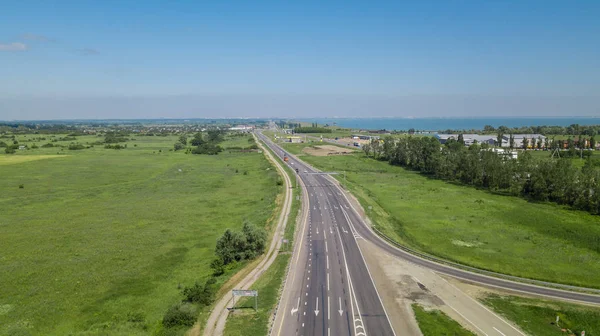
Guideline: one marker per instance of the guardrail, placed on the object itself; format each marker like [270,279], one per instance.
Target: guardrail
[482,271]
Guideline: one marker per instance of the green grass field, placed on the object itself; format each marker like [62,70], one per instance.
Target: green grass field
[495,232]
[538,317]
[96,236]
[436,323]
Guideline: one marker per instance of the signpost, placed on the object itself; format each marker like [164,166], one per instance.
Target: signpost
[245,292]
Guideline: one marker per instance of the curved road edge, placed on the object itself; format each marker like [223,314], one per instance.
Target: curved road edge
[367,233]
[215,325]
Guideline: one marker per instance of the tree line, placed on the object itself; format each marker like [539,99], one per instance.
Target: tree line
[204,144]
[573,130]
[312,130]
[548,179]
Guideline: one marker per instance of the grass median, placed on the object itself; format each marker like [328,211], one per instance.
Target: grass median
[474,227]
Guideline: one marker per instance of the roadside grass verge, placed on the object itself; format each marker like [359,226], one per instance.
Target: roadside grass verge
[478,228]
[102,241]
[245,321]
[538,317]
[437,323]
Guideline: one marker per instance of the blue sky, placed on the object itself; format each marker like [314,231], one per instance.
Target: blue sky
[90,59]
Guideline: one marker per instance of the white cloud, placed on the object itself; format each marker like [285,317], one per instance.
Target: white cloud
[15,46]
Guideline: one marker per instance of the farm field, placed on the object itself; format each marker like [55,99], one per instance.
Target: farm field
[101,241]
[490,231]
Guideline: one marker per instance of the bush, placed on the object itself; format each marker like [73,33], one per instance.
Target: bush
[237,246]
[115,146]
[9,150]
[180,315]
[76,146]
[207,148]
[178,146]
[2,144]
[48,145]
[217,266]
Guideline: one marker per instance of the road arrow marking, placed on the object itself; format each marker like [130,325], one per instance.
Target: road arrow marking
[317,307]
[294,310]
[339,311]
[344,230]
[317,230]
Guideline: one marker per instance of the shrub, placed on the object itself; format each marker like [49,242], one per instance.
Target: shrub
[115,146]
[9,150]
[194,293]
[180,315]
[217,266]
[76,146]
[21,186]
[48,145]
[178,146]
[2,144]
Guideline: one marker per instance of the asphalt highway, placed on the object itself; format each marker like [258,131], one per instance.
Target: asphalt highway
[329,290]
[340,216]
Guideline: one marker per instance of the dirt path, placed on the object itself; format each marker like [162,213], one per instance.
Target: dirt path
[218,317]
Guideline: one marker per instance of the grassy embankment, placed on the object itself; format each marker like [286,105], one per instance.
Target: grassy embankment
[538,317]
[437,323]
[246,321]
[495,232]
[101,241]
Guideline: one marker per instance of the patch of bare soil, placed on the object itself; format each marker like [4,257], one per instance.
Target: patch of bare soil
[326,150]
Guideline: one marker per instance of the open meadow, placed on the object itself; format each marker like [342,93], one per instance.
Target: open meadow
[101,241]
[474,227]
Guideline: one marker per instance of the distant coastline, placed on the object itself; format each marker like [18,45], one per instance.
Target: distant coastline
[454,123]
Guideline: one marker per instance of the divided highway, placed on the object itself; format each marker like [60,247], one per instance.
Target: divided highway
[329,290]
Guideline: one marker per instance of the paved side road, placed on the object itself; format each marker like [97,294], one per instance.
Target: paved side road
[218,317]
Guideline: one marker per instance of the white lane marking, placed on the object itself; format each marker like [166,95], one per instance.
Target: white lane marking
[327,261]
[317,307]
[325,234]
[327,281]
[463,316]
[297,307]
[326,247]
[329,310]
[484,307]
[317,230]
[500,332]
[368,271]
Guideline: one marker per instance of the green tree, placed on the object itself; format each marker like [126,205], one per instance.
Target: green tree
[231,246]
[183,139]
[525,143]
[511,141]
[178,146]
[197,140]
[499,139]
[593,142]
[461,139]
